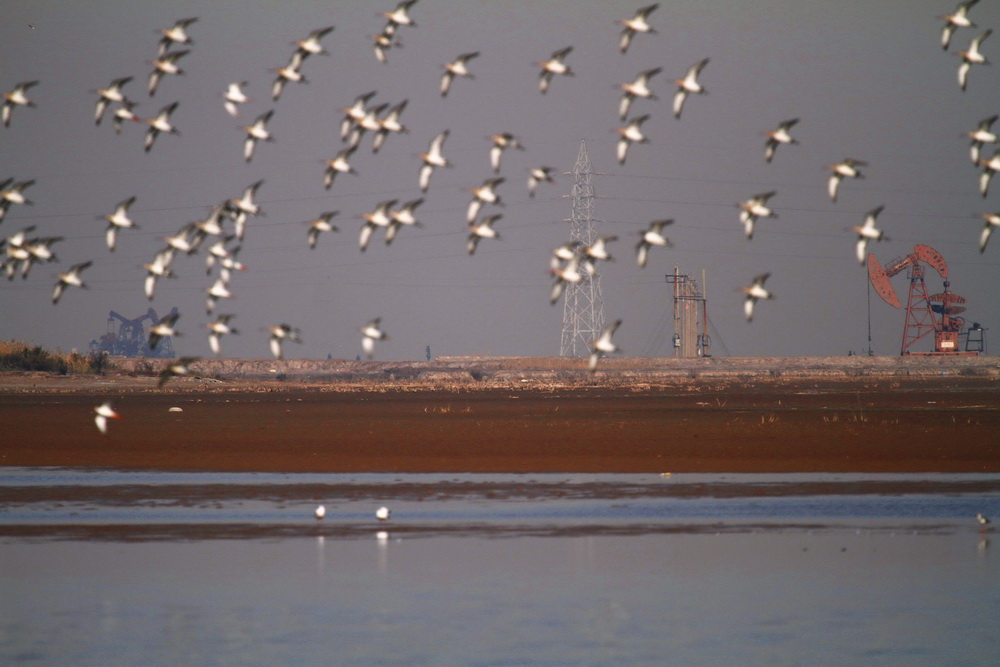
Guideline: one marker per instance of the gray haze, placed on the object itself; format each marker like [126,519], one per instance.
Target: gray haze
[869,80]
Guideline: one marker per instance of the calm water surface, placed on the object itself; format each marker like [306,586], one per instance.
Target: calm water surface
[107,567]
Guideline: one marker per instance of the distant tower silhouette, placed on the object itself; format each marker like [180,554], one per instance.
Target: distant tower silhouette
[583,305]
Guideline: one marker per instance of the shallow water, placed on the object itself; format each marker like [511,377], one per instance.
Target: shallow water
[117,567]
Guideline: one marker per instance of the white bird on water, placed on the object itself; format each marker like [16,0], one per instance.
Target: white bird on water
[383,513]
[320,512]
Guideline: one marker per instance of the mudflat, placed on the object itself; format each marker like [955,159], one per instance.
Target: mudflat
[724,425]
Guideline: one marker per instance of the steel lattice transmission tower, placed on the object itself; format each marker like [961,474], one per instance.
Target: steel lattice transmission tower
[583,305]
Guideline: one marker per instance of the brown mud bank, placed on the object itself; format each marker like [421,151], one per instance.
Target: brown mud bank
[903,418]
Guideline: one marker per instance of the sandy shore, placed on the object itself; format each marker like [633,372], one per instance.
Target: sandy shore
[947,423]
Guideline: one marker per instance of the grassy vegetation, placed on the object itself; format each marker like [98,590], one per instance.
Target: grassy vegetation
[19,356]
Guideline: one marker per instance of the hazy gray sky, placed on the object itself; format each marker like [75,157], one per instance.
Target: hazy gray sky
[868,80]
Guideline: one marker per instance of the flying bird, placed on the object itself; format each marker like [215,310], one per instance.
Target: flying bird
[175,34]
[630,134]
[554,65]
[177,368]
[456,68]
[218,290]
[13,193]
[102,413]
[389,124]
[165,64]
[537,175]
[217,330]
[374,219]
[778,137]
[400,15]
[70,279]
[113,93]
[243,206]
[651,236]
[755,292]
[319,225]
[384,41]
[161,123]
[233,97]
[279,334]
[983,134]
[16,98]
[484,194]
[288,74]
[354,113]
[338,165]
[163,329]
[568,273]
[687,86]
[972,57]
[990,167]
[846,169]
[431,159]
[310,46]
[636,24]
[256,132]
[868,232]
[598,250]
[960,19]
[158,268]
[639,87]
[372,332]
[402,217]
[603,346]
[992,222]
[123,113]
[479,230]
[118,220]
[502,142]
[754,208]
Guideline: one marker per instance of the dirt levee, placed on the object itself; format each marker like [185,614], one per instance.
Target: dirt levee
[460,416]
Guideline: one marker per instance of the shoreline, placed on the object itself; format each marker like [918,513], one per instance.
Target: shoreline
[537,419]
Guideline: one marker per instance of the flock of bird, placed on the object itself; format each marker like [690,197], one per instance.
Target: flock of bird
[222,230]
